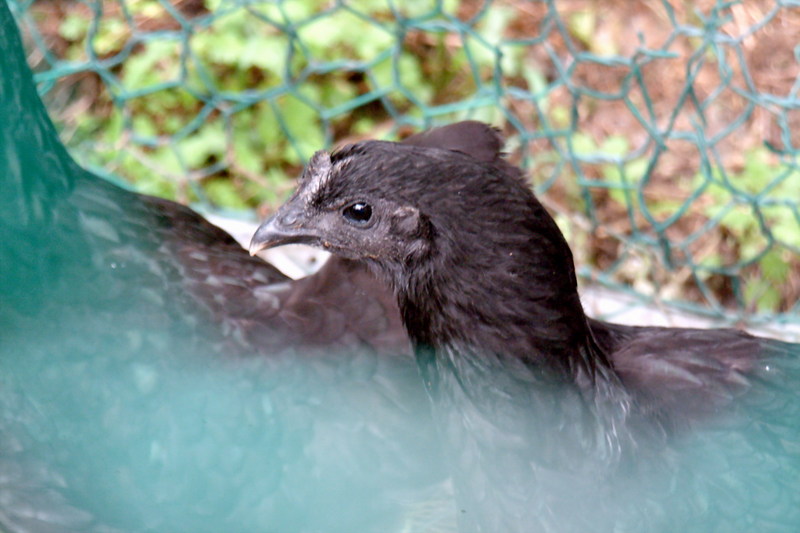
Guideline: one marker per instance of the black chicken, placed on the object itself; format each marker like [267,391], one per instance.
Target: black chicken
[552,421]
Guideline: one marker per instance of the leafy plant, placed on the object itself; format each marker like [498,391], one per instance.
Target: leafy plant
[241,100]
[756,208]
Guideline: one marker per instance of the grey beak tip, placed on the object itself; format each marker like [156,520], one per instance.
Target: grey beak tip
[261,238]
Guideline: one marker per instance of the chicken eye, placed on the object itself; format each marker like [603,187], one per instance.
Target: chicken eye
[358,213]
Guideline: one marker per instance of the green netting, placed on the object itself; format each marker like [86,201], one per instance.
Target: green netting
[662,135]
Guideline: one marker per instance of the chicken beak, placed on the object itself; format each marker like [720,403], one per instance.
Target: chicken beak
[284,227]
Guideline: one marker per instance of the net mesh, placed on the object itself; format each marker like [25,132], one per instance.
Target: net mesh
[663,136]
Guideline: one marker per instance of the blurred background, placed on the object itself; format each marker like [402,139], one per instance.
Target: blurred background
[663,136]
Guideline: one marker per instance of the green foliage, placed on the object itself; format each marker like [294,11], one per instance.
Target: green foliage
[206,105]
[757,208]
[74,27]
[621,174]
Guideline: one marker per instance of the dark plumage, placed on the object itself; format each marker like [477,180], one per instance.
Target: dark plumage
[552,421]
[155,377]
[340,307]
